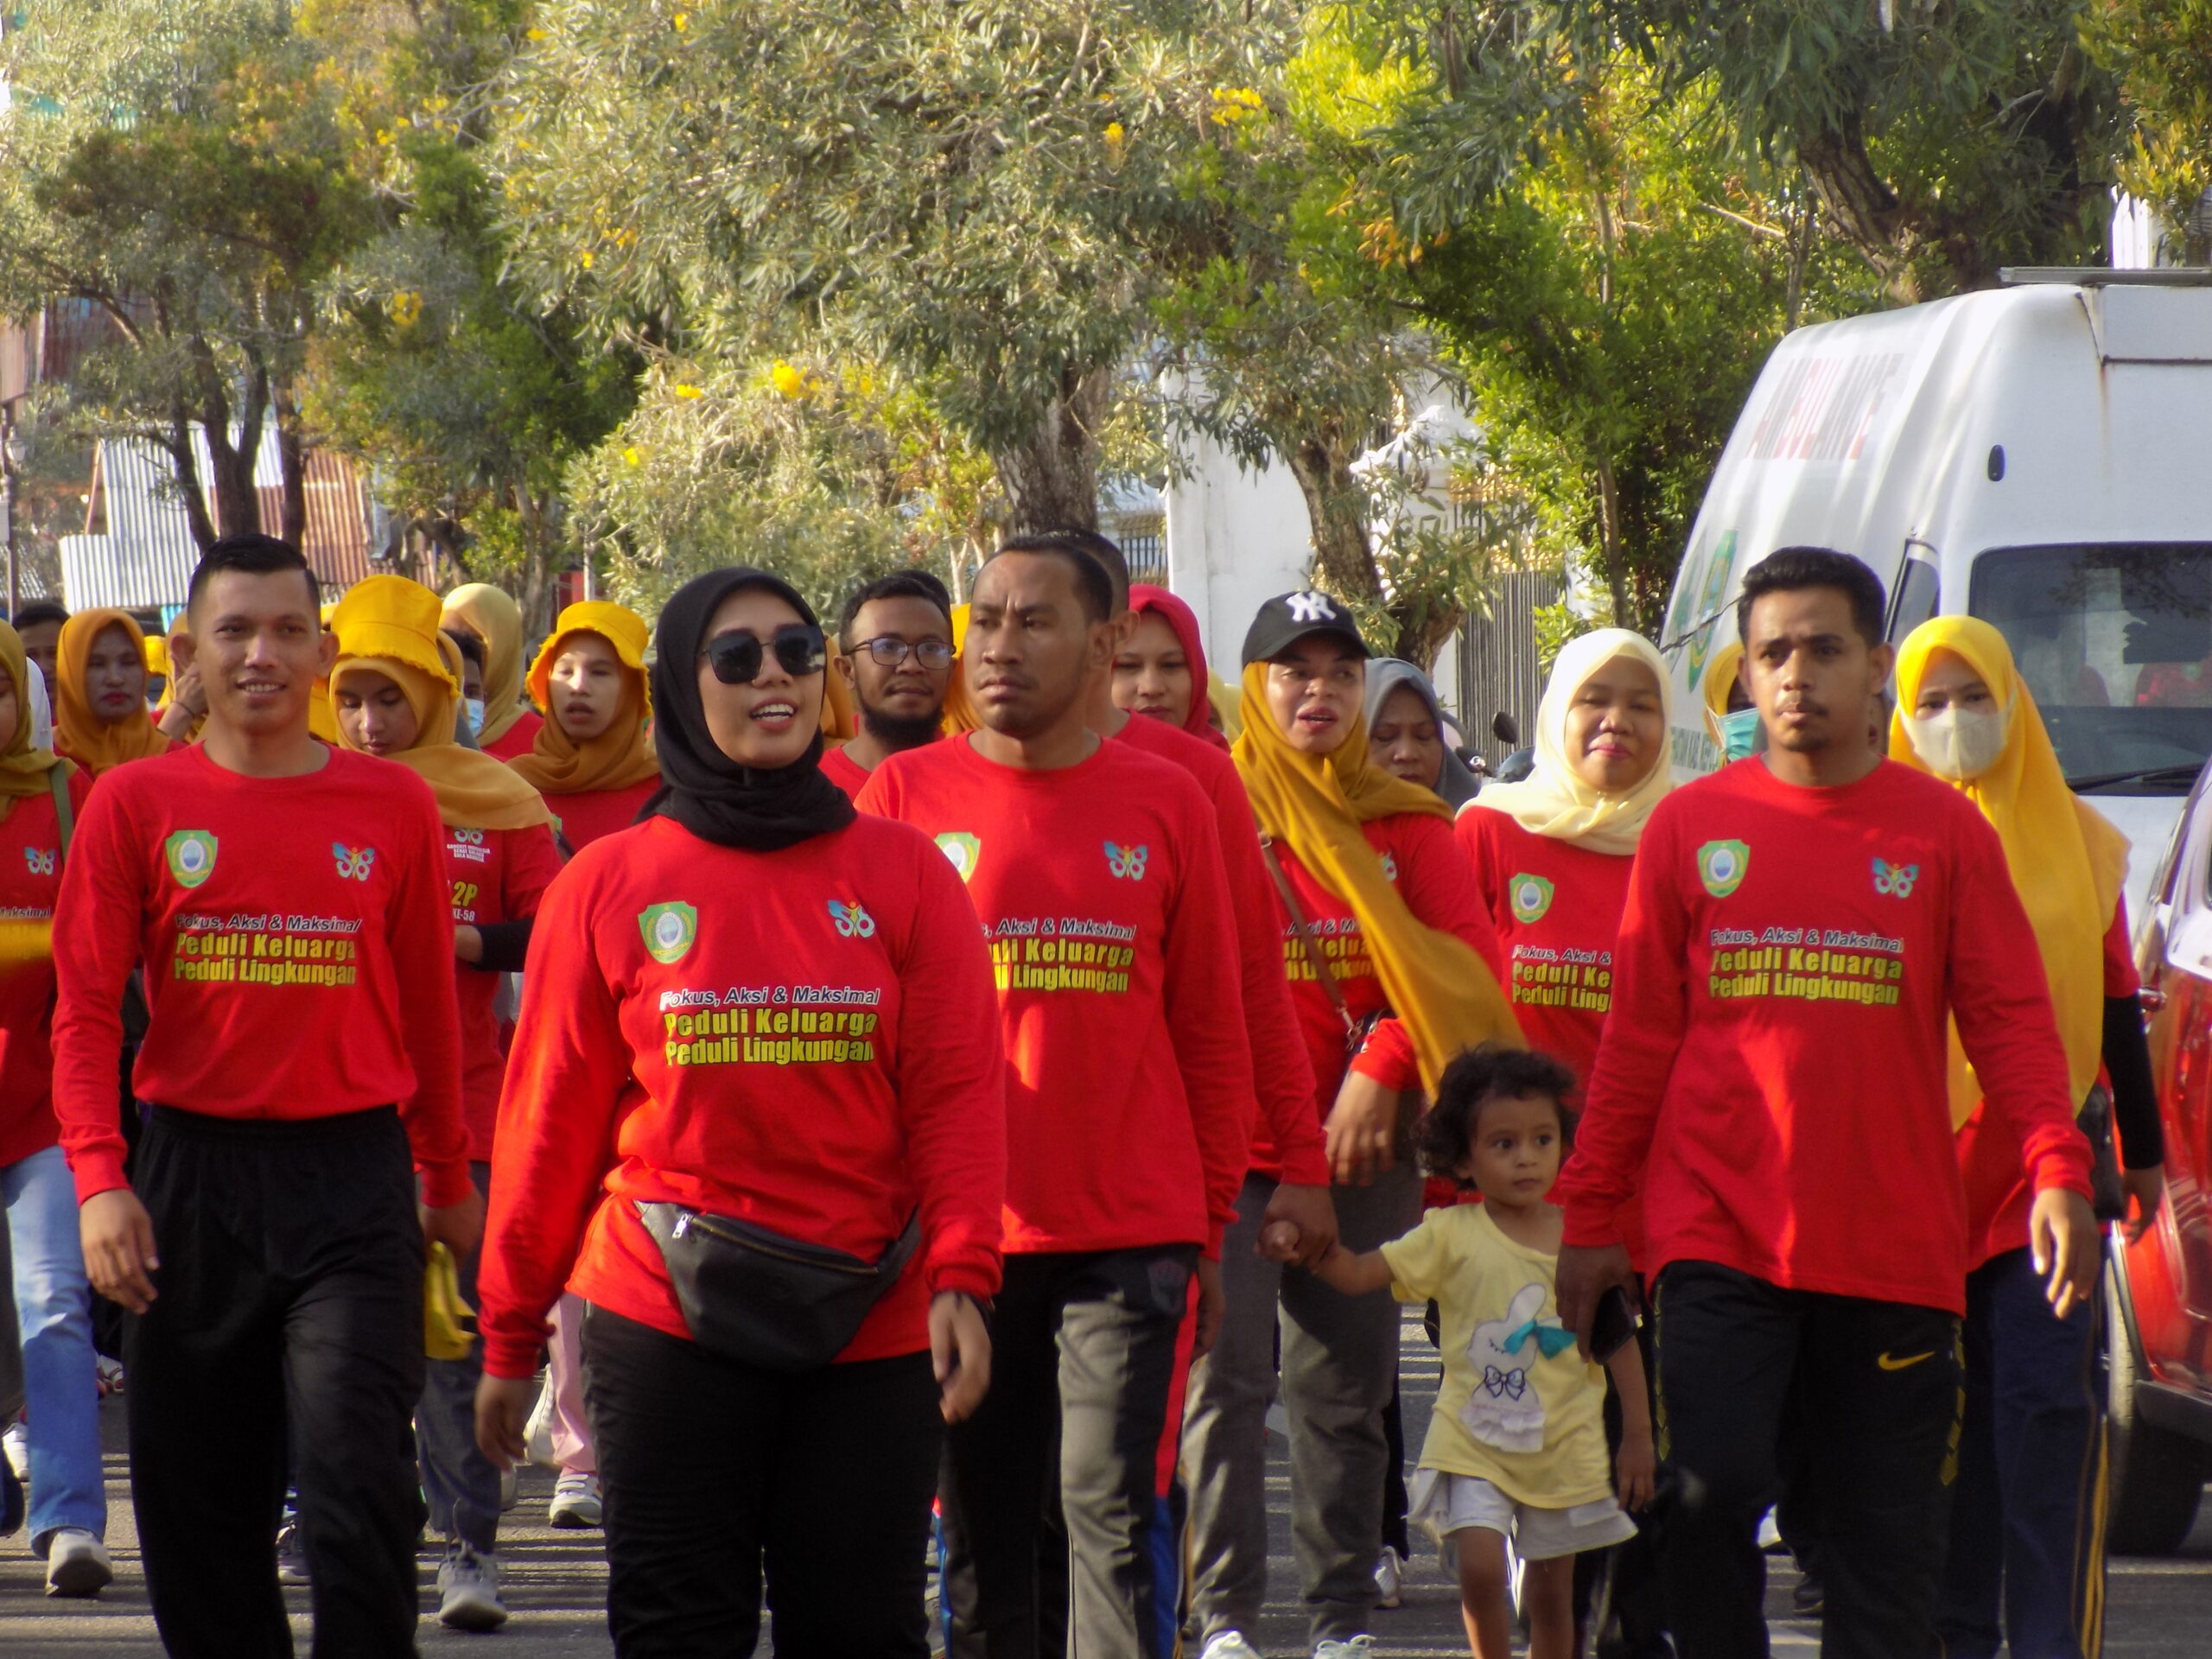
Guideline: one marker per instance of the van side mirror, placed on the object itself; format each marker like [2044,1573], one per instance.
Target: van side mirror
[1506,730]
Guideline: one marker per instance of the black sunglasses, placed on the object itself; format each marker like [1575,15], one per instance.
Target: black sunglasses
[736,658]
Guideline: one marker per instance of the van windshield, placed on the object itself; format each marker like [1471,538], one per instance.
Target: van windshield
[2114,640]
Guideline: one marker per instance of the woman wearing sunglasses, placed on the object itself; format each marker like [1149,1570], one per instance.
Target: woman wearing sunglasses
[755,1119]
[592,759]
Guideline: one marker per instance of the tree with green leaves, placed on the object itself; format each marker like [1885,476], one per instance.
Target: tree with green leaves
[2161,50]
[463,394]
[180,168]
[946,189]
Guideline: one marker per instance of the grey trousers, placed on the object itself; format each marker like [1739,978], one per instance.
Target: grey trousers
[1339,1363]
[461,1484]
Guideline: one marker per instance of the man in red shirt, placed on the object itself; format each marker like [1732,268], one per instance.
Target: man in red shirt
[1096,874]
[1800,927]
[896,639]
[290,902]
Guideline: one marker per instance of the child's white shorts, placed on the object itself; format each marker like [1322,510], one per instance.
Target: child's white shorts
[1446,1503]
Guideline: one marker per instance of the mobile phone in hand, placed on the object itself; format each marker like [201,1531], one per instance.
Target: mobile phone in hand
[1613,1325]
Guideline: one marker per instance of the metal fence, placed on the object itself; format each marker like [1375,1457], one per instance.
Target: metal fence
[1498,670]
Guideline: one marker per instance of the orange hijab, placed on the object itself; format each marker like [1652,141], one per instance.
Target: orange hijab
[92,742]
[622,756]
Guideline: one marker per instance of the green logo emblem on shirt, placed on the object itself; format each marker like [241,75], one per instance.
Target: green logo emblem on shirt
[1721,865]
[191,854]
[1532,897]
[962,850]
[669,929]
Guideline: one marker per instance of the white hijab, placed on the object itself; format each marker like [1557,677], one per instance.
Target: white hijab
[1554,800]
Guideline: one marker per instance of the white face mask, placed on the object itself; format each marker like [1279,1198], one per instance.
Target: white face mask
[1958,743]
[474,707]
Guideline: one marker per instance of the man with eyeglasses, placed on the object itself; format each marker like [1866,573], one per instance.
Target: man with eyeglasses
[897,657]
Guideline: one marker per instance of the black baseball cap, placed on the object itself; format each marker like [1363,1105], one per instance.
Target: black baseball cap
[1288,618]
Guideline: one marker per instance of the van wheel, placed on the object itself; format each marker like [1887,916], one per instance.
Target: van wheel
[2157,1476]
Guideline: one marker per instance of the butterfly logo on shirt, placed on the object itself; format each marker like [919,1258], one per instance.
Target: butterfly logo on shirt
[852,922]
[1895,880]
[1127,862]
[41,860]
[354,863]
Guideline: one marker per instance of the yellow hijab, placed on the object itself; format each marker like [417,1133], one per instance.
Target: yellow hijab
[79,733]
[1721,671]
[389,626]
[494,618]
[24,769]
[2066,861]
[960,713]
[1314,804]
[1554,800]
[619,757]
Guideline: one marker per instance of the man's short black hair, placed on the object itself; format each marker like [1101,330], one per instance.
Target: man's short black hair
[34,612]
[254,555]
[911,583]
[1447,1135]
[470,647]
[1092,585]
[1111,559]
[1793,570]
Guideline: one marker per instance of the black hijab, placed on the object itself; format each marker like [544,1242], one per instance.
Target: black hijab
[759,809]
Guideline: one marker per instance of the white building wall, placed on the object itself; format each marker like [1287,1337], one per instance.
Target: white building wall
[1235,539]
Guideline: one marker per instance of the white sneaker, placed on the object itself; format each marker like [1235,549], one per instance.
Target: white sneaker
[537,1429]
[1359,1647]
[468,1591]
[1390,1579]
[1230,1644]
[17,1442]
[576,1502]
[510,1488]
[291,1554]
[76,1563]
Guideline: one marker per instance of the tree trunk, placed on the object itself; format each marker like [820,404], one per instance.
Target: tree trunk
[292,465]
[186,464]
[1612,544]
[1336,517]
[1050,478]
[1420,638]
[539,588]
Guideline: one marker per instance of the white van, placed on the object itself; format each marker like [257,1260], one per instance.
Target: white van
[2039,455]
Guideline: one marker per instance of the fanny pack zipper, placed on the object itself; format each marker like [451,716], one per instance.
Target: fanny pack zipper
[706,1224]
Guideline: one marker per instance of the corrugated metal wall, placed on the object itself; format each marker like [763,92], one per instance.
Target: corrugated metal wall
[1498,668]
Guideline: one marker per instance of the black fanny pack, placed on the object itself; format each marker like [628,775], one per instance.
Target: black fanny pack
[763,1299]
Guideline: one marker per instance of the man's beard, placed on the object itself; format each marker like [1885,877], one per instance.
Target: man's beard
[899,732]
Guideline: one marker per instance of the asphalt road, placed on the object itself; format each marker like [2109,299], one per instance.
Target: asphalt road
[555,1583]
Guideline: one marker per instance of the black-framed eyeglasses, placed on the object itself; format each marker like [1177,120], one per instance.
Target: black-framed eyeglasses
[736,658]
[934,655]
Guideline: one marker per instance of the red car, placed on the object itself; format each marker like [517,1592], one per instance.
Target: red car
[2159,1291]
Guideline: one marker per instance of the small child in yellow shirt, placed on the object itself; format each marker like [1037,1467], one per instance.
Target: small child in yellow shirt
[1517,1445]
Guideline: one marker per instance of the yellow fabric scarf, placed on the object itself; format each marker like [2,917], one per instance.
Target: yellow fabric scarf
[496,620]
[24,771]
[960,713]
[2066,861]
[1314,804]
[1554,800]
[389,626]
[619,757]
[79,733]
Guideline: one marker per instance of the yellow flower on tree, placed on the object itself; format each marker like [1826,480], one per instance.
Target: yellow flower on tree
[685,389]
[632,458]
[789,382]
[405,306]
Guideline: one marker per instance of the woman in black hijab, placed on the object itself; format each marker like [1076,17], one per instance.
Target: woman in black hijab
[755,1119]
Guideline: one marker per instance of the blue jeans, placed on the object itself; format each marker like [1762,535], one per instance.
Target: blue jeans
[54,1309]
[2026,1534]
[461,1484]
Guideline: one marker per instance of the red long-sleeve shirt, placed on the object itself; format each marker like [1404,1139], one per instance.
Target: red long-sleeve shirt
[1286,1140]
[1100,887]
[595,812]
[30,881]
[496,875]
[298,945]
[1433,877]
[844,772]
[804,1039]
[517,738]
[1776,1042]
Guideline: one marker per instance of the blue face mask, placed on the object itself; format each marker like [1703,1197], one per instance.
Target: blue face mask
[474,707]
[1739,733]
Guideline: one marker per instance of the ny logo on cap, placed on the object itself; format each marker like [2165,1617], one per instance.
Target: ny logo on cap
[1311,607]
